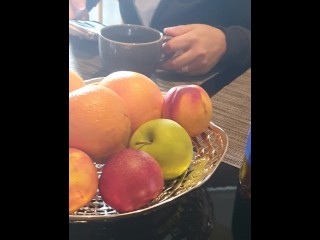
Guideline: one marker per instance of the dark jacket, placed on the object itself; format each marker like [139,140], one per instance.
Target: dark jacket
[231,16]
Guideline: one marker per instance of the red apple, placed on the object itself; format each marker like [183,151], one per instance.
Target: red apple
[130,179]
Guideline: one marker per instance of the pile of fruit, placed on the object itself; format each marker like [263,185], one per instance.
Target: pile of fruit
[141,137]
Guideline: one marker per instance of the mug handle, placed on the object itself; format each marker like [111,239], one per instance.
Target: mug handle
[165,57]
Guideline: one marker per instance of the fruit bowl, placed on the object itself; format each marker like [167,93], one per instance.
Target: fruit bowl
[209,149]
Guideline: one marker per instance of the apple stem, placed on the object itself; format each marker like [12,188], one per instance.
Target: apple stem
[142,143]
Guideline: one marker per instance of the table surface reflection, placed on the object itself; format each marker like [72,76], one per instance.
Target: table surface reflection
[205,212]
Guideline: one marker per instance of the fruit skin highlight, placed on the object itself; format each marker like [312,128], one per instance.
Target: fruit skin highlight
[75,80]
[190,106]
[98,122]
[142,97]
[83,179]
[129,180]
[168,142]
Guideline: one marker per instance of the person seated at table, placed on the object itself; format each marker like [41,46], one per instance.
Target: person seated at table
[208,34]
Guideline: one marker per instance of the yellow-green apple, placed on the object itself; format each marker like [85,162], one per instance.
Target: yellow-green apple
[130,179]
[168,142]
[83,179]
[190,106]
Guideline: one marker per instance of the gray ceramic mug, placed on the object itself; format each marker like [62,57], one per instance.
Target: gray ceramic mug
[131,47]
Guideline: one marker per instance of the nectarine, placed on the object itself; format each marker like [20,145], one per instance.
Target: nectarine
[190,106]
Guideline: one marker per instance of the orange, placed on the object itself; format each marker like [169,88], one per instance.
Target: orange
[75,80]
[98,122]
[141,95]
[83,179]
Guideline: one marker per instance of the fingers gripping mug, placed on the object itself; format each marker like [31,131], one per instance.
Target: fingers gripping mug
[131,47]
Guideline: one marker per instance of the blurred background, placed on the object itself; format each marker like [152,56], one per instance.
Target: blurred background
[106,12]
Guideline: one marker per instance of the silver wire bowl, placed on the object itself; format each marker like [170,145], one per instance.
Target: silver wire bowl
[209,149]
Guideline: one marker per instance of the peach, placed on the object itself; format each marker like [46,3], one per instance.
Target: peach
[83,179]
[190,106]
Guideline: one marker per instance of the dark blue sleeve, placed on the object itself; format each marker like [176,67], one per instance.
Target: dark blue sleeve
[238,52]
[91,4]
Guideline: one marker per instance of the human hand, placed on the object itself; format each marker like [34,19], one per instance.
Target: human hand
[200,48]
[77,9]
